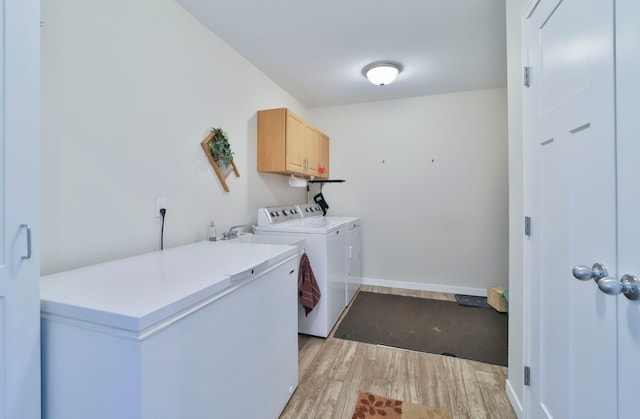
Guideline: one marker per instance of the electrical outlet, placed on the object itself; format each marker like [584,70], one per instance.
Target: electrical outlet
[160,203]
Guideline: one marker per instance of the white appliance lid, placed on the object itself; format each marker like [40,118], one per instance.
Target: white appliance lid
[135,293]
[317,225]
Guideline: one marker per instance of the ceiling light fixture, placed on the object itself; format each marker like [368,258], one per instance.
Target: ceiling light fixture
[381,73]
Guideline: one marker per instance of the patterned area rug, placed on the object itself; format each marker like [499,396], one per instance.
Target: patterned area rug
[372,406]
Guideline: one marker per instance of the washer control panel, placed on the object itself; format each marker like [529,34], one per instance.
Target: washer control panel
[310,210]
[275,215]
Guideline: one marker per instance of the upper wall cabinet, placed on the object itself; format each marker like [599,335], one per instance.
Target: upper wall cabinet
[288,144]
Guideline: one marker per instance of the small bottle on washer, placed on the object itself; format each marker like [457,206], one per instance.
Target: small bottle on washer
[212,232]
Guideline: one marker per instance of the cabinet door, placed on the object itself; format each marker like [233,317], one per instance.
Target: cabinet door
[295,154]
[272,125]
[317,153]
[310,141]
[321,151]
[19,209]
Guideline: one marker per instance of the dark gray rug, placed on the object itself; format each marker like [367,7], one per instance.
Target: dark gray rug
[433,326]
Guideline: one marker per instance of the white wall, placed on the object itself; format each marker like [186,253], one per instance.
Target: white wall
[428,177]
[129,89]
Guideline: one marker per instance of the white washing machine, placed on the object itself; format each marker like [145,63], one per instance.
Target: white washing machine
[332,245]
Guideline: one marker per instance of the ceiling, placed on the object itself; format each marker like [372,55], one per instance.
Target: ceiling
[316,50]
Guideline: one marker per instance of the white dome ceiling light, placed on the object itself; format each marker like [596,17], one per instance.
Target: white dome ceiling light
[381,73]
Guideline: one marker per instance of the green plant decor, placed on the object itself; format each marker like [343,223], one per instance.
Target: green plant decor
[220,147]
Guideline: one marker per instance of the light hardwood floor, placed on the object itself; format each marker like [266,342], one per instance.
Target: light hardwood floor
[333,371]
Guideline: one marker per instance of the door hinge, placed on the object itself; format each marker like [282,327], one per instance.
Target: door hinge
[526,76]
[527,376]
[527,226]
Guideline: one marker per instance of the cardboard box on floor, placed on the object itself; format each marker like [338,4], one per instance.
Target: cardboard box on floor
[496,299]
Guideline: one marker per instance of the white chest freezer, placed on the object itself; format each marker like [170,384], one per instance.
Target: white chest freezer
[188,332]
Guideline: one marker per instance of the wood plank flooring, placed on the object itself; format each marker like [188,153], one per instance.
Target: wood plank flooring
[332,372]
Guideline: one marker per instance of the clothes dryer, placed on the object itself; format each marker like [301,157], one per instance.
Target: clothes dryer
[332,245]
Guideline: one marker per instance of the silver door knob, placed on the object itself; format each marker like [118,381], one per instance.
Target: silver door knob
[629,285]
[585,273]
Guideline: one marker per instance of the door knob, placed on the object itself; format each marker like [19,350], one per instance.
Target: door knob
[629,285]
[585,273]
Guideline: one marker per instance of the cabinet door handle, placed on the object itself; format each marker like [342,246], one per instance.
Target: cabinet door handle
[28,228]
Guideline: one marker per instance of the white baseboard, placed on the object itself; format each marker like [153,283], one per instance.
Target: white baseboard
[419,286]
[515,403]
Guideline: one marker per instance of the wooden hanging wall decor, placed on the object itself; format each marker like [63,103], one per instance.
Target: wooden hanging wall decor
[216,147]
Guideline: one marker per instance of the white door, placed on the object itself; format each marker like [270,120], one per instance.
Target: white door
[570,194]
[628,147]
[19,216]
